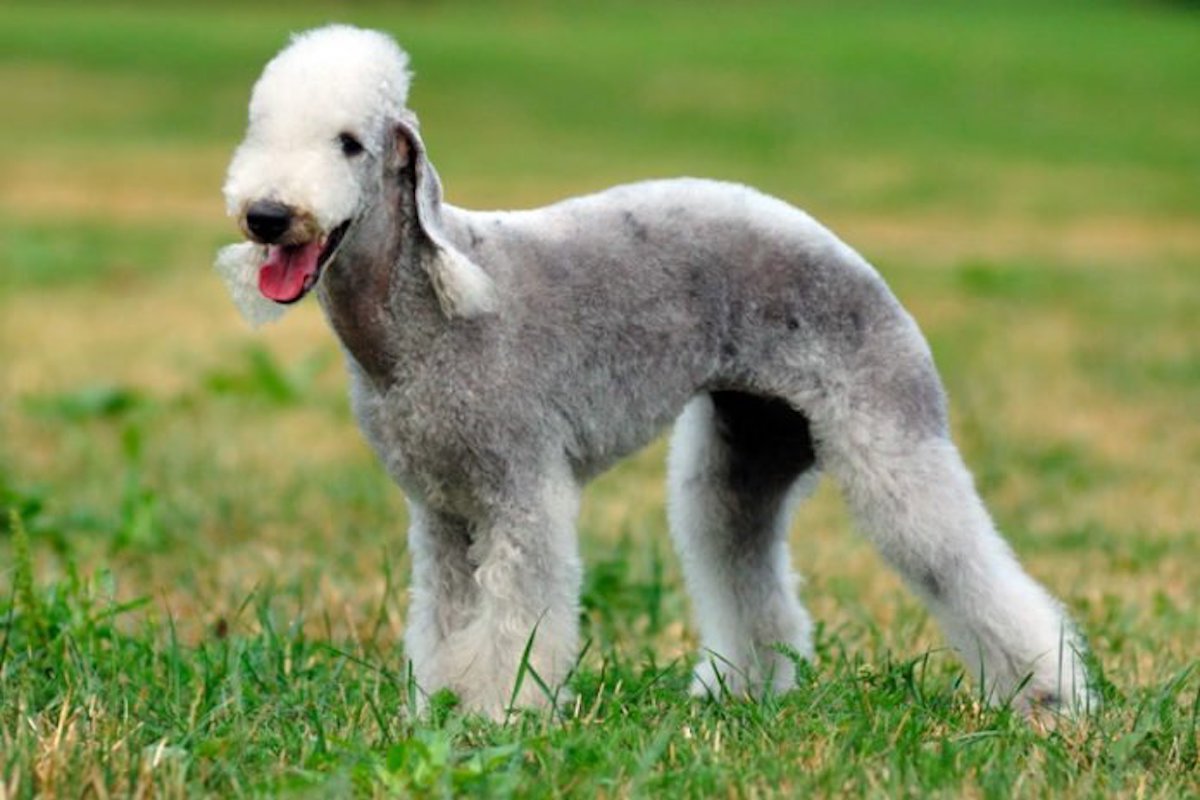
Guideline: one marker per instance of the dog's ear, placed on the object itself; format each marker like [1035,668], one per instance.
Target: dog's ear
[463,289]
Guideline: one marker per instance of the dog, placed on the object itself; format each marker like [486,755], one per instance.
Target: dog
[499,360]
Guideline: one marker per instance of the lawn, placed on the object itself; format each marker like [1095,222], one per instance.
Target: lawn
[203,569]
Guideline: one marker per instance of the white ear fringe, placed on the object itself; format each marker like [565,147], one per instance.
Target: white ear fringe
[237,264]
[462,288]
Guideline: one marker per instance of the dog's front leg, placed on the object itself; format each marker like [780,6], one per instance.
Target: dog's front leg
[496,599]
[443,593]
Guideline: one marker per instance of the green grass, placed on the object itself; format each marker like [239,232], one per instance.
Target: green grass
[202,567]
[131,708]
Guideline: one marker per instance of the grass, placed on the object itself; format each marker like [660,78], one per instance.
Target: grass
[202,568]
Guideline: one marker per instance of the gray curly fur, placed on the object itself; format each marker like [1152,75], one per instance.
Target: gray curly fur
[499,360]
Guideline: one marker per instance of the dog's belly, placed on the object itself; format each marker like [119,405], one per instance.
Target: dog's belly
[602,432]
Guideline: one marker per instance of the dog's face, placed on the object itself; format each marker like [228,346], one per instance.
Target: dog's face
[322,132]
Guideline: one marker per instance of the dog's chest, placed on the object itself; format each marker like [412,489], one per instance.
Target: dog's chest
[433,450]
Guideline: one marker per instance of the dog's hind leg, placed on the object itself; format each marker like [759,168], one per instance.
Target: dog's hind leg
[738,465]
[883,436]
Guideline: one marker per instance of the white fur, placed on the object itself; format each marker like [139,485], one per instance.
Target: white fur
[238,264]
[449,640]
[746,609]
[329,81]
[919,506]
[463,289]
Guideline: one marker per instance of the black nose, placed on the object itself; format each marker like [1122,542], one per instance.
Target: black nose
[268,220]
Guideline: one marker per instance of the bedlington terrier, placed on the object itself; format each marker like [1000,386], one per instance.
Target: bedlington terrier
[498,360]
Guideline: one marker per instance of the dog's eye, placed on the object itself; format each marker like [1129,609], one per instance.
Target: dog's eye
[350,145]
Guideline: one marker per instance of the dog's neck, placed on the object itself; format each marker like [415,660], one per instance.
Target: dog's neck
[379,299]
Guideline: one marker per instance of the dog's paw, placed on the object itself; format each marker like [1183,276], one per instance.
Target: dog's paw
[717,678]
[1040,703]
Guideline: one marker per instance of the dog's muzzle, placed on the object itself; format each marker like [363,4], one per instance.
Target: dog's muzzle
[291,269]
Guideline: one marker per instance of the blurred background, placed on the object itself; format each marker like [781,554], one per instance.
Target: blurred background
[1026,176]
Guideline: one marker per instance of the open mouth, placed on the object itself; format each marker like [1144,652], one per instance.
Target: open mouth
[291,271]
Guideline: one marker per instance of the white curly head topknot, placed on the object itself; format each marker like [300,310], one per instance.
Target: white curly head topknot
[343,71]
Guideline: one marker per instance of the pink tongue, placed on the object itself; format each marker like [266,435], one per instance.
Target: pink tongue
[283,276]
